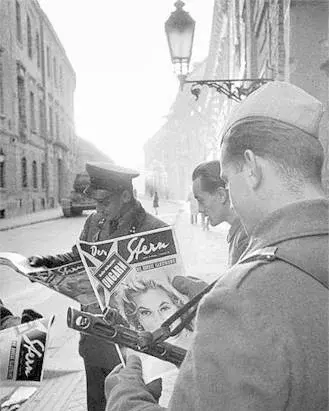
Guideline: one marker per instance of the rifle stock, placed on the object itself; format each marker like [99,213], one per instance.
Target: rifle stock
[96,326]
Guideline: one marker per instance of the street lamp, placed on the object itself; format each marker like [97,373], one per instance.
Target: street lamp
[180,33]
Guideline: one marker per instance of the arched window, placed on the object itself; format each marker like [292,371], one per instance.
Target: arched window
[43,175]
[34,174]
[29,36]
[55,70]
[37,47]
[18,22]
[24,172]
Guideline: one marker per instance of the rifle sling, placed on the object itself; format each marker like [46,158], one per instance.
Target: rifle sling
[268,254]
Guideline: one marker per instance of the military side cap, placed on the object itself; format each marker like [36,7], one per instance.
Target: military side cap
[280,101]
[108,176]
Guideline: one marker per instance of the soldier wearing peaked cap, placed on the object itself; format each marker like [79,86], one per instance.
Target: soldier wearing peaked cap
[118,214]
[261,334]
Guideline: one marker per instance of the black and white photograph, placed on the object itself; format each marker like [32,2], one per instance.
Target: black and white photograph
[164,205]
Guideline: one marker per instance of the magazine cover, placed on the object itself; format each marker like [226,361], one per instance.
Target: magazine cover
[68,279]
[22,353]
[134,274]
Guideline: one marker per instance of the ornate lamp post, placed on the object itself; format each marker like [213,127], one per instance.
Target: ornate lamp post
[180,33]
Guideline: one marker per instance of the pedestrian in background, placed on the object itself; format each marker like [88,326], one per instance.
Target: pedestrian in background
[156,202]
[194,208]
[118,214]
[214,205]
[204,221]
[261,334]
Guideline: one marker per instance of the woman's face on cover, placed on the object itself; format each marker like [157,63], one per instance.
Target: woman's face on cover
[153,308]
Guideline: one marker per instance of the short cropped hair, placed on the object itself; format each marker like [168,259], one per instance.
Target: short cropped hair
[209,174]
[296,155]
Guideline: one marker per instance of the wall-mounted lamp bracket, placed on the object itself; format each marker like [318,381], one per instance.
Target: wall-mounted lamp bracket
[234,89]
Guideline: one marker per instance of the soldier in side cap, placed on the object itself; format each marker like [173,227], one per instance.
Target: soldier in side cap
[261,334]
[118,213]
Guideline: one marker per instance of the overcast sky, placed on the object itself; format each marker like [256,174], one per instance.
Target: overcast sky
[125,80]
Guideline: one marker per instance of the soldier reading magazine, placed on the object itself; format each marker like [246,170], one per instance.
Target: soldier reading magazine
[118,214]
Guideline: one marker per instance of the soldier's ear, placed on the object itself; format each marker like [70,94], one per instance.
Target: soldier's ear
[222,194]
[126,196]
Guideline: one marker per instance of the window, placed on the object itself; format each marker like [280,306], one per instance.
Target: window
[41,117]
[18,22]
[34,174]
[48,62]
[29,36]
[2,96]
[37,47]
[61,78]
[51,123]
[24,172]
[55,71]
[43,175]
[32,111]
[2,174]
[21,103]
[57,126]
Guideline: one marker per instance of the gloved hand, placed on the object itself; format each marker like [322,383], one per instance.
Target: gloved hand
[131,375]
[189,286]
[51,261]
[29,315]
[39,261]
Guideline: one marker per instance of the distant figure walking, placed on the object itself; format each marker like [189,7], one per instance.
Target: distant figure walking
[156,202]
[194,208]
[204,221]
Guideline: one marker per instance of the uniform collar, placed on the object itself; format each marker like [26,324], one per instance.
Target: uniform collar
[301,219]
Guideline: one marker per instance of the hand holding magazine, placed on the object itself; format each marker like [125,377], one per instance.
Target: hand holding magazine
[68,279]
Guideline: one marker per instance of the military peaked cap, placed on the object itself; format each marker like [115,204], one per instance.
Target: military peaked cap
[108,176]
[280,101]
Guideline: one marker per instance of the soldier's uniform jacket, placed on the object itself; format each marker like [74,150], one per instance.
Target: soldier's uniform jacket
[261,335]
[96,228]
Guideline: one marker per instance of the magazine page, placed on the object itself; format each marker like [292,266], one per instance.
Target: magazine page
[68,279]
[134,274]
[22,353]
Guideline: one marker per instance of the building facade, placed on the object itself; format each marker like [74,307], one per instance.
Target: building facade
[37,136]
[181,143]
[276,39]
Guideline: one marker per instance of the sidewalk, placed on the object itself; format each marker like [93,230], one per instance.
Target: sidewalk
[55,213]
[204,254]
[33,218]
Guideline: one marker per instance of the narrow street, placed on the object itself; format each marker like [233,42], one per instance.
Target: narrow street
[204,254]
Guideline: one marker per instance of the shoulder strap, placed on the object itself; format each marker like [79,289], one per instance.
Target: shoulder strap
[269,254]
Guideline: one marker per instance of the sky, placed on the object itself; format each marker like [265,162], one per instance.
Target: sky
[125,80]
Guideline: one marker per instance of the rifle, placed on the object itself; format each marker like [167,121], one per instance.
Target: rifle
[112,327]
[108,327]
